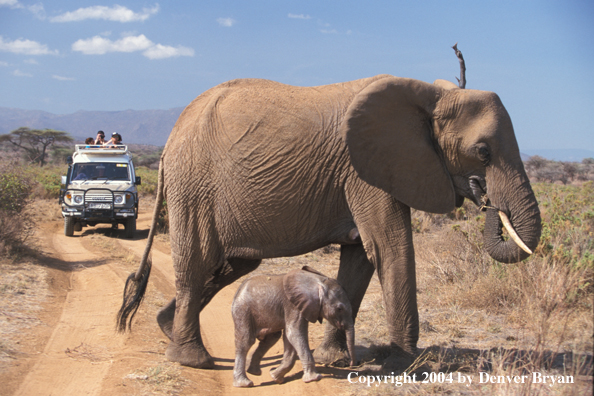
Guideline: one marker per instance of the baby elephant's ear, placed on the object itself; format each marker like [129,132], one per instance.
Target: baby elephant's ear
[305,291]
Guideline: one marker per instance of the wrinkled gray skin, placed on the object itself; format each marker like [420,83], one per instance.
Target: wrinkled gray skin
[255,169]
[264,306]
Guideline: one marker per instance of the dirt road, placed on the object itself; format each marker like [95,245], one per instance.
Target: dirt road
[76,351]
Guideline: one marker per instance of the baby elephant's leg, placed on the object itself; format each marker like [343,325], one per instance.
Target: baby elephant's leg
[289,358]
[263,347]
[299,340]
[243,341]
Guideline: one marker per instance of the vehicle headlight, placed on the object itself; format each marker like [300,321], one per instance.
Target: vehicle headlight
[78,199]
[118,199]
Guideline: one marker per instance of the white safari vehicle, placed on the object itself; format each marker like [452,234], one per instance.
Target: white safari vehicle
[100,187]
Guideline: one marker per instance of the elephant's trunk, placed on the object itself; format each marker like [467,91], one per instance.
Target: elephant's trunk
[350,339]
[520,210]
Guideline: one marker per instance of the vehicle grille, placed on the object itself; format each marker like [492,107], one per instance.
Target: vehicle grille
[98,198]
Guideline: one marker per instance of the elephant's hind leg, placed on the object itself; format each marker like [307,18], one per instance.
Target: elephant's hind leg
[263,347]
[229,272]
[187,347]
[244,339]
[165,318]
[289,358]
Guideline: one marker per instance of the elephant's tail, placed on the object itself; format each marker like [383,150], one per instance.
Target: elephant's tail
[137,281]
[133,295]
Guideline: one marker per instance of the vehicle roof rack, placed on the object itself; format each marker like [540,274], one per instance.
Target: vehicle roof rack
[101,150]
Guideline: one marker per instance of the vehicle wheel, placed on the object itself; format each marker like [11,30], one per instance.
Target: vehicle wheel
[69,226]
[78,226]
[130,227]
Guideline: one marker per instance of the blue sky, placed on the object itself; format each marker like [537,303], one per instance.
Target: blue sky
[65,55]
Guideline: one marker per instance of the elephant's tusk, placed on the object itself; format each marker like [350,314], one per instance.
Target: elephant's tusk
[512,233]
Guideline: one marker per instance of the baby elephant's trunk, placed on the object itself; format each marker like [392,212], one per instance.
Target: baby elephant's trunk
[350,339]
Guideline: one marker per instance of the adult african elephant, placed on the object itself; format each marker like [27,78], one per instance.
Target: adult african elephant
[255,169]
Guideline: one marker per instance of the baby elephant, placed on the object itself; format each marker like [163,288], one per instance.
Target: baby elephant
[264,306]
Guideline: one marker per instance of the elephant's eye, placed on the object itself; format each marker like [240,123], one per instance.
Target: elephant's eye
[484,155]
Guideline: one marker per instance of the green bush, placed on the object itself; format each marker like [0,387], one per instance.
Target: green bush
[567,223]
[14,191]
[47,180]
[150,179]
[15,188]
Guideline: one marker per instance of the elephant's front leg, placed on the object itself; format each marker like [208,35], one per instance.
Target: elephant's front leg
[391,250]
[354,274]
[385,227]
[296,335]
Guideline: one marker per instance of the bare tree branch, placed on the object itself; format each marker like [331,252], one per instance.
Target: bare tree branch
[462,79]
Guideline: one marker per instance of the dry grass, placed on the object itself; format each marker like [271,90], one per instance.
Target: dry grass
[479,316]
[159,379]
[20,300]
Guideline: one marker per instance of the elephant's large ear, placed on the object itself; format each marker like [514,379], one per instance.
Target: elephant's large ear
[388,130]
[305,291]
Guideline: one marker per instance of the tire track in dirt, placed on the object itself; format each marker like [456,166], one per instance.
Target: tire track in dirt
[81,346]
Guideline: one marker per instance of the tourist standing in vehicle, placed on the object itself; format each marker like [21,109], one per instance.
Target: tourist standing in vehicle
[100,139]
[116,138]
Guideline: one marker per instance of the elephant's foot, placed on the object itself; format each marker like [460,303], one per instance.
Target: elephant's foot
[254,368]
[332,353]
[165,319]
[242,382]
[311,377]
[400,358]
[309,372]
[190,354]
[277,377]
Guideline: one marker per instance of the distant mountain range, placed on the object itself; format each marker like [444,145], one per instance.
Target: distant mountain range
[154,126]
[135,126]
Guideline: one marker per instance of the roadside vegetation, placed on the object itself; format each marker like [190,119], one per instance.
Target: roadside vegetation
[476,315]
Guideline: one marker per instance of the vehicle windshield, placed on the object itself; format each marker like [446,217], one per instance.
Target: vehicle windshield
[101,171]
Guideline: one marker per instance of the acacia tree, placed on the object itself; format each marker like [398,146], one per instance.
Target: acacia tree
[35,142]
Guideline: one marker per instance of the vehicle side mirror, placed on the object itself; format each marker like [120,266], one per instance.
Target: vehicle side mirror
[69,160]
[138,181]
[63,181]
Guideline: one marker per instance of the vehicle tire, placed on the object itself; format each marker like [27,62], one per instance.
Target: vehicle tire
[78,226]
[130,227]
[68,226]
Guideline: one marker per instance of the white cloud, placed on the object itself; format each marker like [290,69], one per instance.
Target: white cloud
[26,47]
[226,22]
[60,78]
[329,31]
[31,61]
[98,45]
[299,16]
[11,4]
[37,10]
[4,64]
[19,73]
[117,13]
[159,51]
